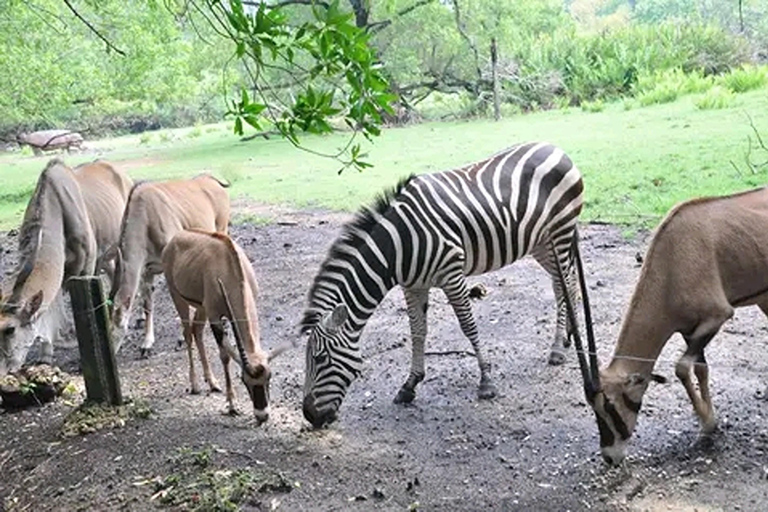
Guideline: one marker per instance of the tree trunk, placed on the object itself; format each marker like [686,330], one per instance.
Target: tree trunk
[362,9]
[495,79]
[741,17]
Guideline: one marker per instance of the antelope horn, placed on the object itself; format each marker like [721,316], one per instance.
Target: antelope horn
[586,373]
[244,361]
[591,346]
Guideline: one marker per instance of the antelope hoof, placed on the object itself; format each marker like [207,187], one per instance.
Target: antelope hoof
[486,391]
[709,425]
[179,344]
[139,323]
[194,390]
[144,353]
[215,388]
[556,358]
[405,396]
[232,411]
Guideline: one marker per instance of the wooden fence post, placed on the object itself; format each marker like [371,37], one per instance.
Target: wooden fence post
[97,359]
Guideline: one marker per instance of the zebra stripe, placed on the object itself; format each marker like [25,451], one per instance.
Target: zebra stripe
[434,230]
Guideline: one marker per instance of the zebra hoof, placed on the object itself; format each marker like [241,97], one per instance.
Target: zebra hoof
[405,396]
[556,358]
[486,391]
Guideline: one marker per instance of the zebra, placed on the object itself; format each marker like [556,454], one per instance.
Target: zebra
[434,230]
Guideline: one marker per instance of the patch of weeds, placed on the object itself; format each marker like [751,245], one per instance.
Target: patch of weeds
[145,138]
[90,417]
[628,104]
[21,196]
[26,151]
[165,136]
[745,78]
[199,485]
[251,219]
[716,98]
[664,92]
[195,132]
[593,106]
[212,129]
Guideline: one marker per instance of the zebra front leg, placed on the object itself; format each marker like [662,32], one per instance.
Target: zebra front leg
[417,302]
[458,295]
[563,328]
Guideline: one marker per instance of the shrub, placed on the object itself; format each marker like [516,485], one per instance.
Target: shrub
[593,106]
[664,92]
[716,98]
[745,78]
[145,138]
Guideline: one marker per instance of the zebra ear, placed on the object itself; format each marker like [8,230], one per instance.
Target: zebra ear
[335,319]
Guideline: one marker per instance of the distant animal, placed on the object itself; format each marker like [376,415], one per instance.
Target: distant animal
[49,140]
[155,212]
[209,273]
[434,230]
[68,224]
[707,257]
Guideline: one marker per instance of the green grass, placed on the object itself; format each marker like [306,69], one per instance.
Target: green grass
[636,163]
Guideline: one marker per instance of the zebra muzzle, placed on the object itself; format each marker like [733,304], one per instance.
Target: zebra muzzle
[318,417]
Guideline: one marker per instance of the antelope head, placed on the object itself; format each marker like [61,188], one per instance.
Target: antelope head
[16,333]
[615,399]
[255,373]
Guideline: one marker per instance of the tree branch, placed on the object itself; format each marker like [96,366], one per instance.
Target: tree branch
[463,31]
[380,25]
[93,29]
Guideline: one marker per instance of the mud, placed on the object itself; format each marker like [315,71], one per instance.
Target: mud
[535,447]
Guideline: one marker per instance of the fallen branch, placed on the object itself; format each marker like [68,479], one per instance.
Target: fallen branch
[264,134]
[465,353]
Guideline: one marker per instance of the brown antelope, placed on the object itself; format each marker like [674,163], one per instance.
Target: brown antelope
[155,212]
[208,272]
[708,256]
[70,221]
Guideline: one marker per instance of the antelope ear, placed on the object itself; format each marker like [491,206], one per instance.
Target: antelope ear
[31,307]
[335,319]
[658,378]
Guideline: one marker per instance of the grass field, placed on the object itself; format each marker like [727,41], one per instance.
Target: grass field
[636,163]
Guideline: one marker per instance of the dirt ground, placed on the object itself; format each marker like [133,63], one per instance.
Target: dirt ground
[535,447]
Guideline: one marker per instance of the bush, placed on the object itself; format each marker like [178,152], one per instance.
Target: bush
[593,106]
[716,98]
[745,78]
[662,93]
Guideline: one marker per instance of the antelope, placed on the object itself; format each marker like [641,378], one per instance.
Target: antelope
[707,257]
[155,212]
[70,221]
[210,273]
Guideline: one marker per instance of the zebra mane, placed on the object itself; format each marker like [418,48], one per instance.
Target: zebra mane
[352,236]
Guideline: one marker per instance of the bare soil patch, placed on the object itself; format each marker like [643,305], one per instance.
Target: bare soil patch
[535,447]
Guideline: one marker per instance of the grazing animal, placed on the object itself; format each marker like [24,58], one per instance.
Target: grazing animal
[69,222]
[434,230]
[211,274]
[708,256]
[155,212]
[105,192]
